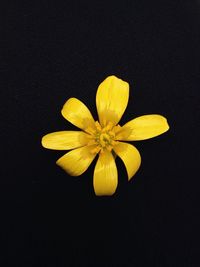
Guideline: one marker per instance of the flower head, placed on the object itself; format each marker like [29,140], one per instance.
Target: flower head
[104,137]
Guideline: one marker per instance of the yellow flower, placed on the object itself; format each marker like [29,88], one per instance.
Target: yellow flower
[103,137]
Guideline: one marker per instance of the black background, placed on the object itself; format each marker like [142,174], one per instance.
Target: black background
[53,50]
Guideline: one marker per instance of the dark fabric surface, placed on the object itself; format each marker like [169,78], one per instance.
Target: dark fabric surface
[53,50]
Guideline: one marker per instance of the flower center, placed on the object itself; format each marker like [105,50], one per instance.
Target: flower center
[103,137]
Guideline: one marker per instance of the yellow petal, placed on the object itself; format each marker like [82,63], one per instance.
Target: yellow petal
[65,140]
[143,127]
[130,156]
[77,161]
[111,100]
[105,175]
[78,114]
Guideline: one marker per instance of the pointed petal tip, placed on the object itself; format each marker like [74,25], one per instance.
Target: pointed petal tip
[61,165]
[130,176]
[167,125]
[130,157]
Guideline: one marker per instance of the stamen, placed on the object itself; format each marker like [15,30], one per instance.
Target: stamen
[98,126]
[103,137]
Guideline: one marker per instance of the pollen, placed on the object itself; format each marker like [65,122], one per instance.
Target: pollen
[103,137]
